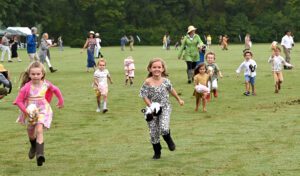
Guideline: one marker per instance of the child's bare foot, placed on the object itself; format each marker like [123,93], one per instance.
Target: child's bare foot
[196,109]
[204,110]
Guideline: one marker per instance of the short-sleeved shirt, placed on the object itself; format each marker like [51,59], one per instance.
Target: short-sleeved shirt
[201,78]
[101,76]
[215,70]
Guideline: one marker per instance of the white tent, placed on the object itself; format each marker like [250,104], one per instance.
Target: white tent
[23,31]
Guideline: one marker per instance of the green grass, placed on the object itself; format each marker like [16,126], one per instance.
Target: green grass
[256,135]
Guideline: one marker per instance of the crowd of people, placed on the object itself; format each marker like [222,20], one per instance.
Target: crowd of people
[36,92]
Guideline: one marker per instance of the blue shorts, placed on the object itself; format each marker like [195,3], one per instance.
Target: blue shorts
[250,79]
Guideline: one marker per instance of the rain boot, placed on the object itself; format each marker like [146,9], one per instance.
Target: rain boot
[32,150]
[40,158]
[52,70]
[157,149]
[169,141]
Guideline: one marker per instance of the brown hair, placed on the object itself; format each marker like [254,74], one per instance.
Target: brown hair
[196,71]
[210,53]
[164,73]
[24,77]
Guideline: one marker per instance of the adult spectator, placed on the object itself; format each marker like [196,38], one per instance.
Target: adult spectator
[248,43]
[287,43]
[131,42]
[44,50]
[60,43]
[5,47]
[31,45]
[14,48]
[190,50]
[98,46]
[124,40]
[90,44]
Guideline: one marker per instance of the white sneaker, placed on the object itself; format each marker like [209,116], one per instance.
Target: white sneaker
[98,110]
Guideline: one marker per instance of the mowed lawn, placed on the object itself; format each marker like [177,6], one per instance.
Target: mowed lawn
[239,135]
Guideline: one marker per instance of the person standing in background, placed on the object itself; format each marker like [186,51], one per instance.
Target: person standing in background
[5,47]
[287,43]
[31,41]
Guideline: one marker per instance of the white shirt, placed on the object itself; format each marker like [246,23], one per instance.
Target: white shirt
[277,62]
[287,41]
[101,76]
[245,66]
[98,41]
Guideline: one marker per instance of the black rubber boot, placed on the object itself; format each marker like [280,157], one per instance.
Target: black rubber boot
[157,149]
[52,70]
[32,150]
[169,141]
[40,158]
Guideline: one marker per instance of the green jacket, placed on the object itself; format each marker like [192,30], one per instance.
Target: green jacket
[190,47]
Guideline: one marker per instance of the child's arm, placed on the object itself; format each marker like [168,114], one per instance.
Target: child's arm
[58,94]
[240,68]
[220,74]
[95,81]
[20,101]
[174,93]
[109,78]
[147,101]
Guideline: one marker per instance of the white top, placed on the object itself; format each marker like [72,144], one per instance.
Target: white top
[287,41]
[98,41]
[101,76]
[246,67]
[277,62]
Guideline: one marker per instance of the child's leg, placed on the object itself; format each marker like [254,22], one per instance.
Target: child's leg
[215,87]
[131,80]
[280,79]
[98,103]
[204,103]
[105,104]
[276,80]
[197,102]
[32,139]
[39,133]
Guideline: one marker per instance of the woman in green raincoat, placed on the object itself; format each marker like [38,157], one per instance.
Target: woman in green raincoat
[190,49]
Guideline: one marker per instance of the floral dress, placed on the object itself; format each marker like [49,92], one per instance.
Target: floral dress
[45,113]
[160,94]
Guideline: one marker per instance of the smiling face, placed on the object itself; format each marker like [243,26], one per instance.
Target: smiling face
[156,68]
[210,58]
[36,74]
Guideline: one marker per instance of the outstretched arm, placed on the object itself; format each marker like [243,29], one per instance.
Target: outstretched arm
[174,93]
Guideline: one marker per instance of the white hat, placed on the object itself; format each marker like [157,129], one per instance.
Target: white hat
[91,32]
[97,34]
[191,28]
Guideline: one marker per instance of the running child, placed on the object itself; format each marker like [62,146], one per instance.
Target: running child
[101,76]
[214,72]
[156,89]
[249,66]
[34,102]
[129,69]
[201,90]
[277,62]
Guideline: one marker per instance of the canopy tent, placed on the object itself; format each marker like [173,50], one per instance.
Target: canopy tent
[22,31]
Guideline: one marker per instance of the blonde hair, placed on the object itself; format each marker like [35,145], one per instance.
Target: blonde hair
[276,48]
[164,73]
[210,53]
[101,60]
[24,77]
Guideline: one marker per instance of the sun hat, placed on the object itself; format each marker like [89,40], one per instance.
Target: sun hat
[91,32]
[191,28]
[97,34]
[2,69]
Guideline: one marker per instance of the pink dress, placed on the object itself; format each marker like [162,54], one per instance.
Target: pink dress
[37,96]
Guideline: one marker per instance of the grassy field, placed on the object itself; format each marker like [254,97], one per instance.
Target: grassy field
[239,135]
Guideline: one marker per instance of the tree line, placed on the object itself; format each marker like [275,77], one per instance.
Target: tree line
[265,20]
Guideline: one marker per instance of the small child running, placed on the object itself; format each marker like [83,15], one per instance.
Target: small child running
[100,84]
[129,69]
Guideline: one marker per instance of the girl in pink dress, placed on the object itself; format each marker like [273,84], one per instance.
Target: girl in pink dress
[33,100]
